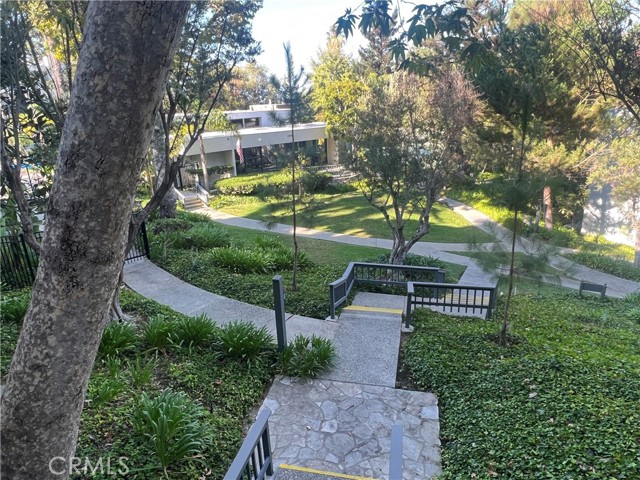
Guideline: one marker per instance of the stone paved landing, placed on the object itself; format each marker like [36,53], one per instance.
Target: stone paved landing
[346,427]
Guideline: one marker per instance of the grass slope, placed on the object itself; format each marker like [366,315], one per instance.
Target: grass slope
[351,214]
[562,402]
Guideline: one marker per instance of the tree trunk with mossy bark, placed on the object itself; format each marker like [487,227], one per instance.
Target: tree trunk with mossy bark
[125,58]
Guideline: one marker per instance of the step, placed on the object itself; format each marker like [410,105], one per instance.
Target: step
[293,472]
[367,346]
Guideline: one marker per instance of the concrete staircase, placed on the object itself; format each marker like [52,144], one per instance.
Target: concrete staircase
[190,201]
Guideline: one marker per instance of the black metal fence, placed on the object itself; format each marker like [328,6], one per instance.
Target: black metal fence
[377,274]
[450,297]
[19,263]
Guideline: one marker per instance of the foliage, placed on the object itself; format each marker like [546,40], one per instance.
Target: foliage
[195,331]
[14,307]
[117,338]
[244,341]
[106,389]
[174,424]
[159,331]
[253,184]
[239,261]
[619,168]
[336,88]
[306,357]
[204,235]
[407,142]
[614,266]
[141,370]
[570,372]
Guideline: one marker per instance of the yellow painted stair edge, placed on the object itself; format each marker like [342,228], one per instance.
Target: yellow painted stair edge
[322,472]
[374,309]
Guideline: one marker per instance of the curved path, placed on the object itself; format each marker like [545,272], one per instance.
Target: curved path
[473,275]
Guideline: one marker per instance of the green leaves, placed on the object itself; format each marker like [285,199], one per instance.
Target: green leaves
[564,397]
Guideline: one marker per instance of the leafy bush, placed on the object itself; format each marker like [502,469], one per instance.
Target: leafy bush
[253,184]
[203,235]
[244,341]
[164,225]
[14,308]
[313,182]
[117,338]
[175,426]
[193,217]
[306,357]
[240,260]
[159,332]
[195,331]
[614,266]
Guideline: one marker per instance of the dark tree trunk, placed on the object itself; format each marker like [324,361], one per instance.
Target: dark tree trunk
[125,58]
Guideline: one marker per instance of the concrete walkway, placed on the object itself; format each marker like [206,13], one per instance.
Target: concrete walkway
[473,275]
[155,283]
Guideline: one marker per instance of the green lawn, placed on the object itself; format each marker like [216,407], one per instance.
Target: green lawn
[561,402]
[351,214]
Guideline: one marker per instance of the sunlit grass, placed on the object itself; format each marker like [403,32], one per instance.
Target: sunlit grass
[351,214]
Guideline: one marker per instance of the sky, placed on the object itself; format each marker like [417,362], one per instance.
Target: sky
[304,23]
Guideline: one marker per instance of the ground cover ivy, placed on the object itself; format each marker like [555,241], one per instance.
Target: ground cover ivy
[561,401]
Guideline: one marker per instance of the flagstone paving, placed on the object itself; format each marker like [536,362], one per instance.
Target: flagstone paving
[346,427]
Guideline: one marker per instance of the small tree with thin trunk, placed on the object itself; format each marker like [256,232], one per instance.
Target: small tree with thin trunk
[407,146]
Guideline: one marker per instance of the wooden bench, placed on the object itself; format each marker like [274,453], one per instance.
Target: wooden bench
[592,287]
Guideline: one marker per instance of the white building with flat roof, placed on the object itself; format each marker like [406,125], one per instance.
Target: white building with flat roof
[261,140]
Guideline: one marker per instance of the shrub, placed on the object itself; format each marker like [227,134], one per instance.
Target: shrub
[108,389]
[244,341]
[282,259]
[174,425]
[205,235]
[240,260]
[313,182]
[14,308]
[195,331]
[193,217]
[117,338]
[164,225]
[306,357]
[141,370]
[614,266]
[254,184]
[158,332]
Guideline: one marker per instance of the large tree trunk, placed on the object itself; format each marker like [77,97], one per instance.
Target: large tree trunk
[125,58]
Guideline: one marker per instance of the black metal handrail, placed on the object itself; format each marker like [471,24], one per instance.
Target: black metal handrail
[254,460]
[377,274]
[450,296]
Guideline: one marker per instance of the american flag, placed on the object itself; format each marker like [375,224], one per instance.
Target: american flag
[239,151]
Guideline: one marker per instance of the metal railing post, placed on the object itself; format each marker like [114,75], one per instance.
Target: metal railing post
[278,304]
[332,302]
[395,460]
[407,316]
[145,240]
